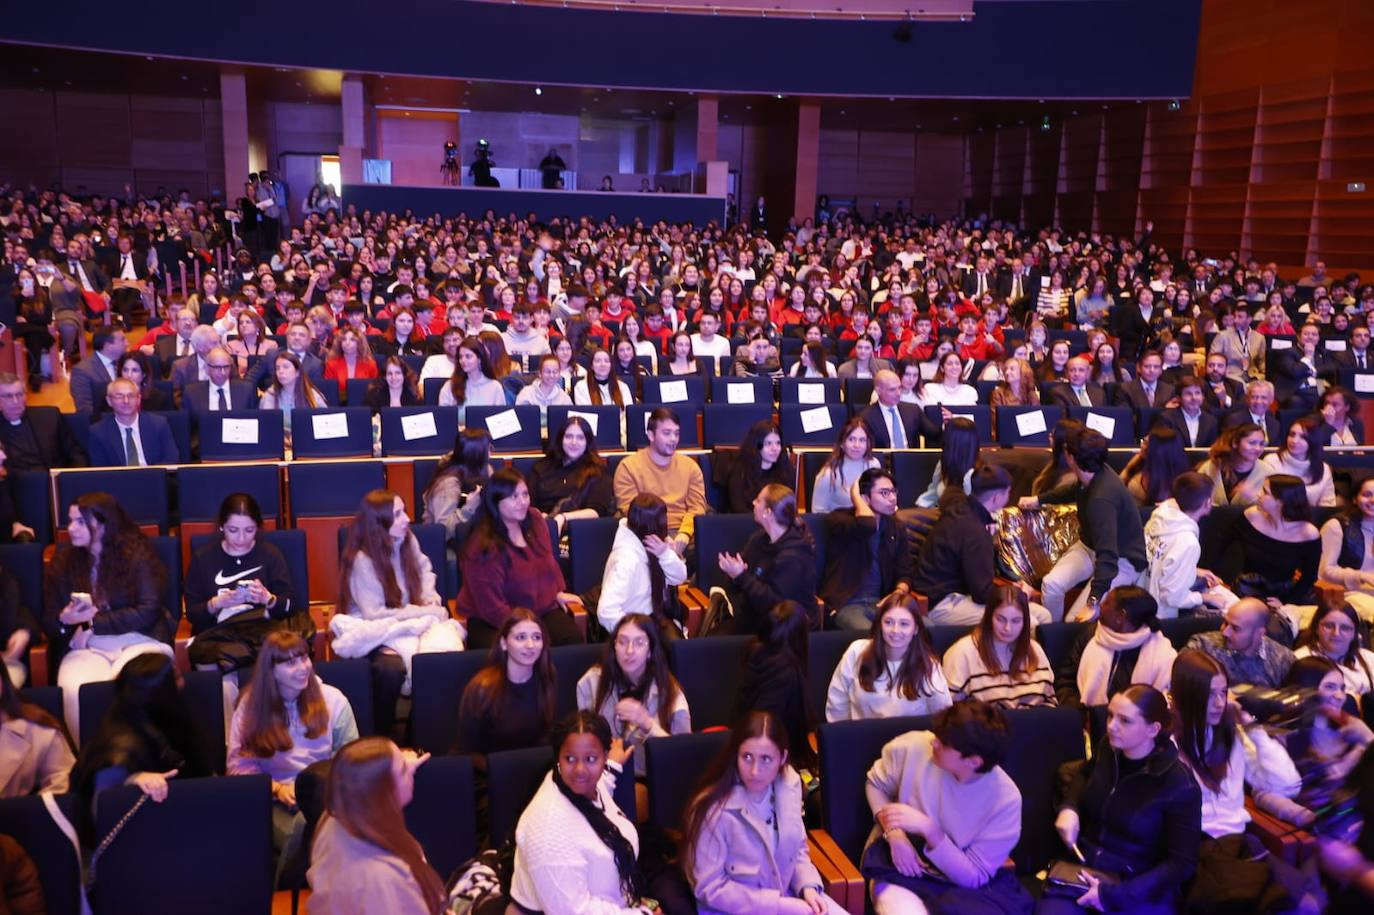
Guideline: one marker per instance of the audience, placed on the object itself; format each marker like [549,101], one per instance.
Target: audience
[1275,546]
[868,554]
[1173,549]
[776,563]
[851,456]
[759,460]
[1337,634]
[675,478]
[892,673]
[1347,559]
[1244,649]
[35,749]
[454,493]
[571,482]
[775,678]
[1301,456]
[642,571]
[1123,647]
[509,704]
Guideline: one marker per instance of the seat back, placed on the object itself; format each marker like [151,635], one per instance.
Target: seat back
[710,671]
[981,416]
[26,820]
[731,389]
[48,698]
[673,767]
[847,751]
[163,857]
[942,637]
[637,422]
[1042,740]
[180,423]
[809,390]
[912,471]
[716,534]
[241,435]
[570,662]
[813,425]
[330,433]
[33,502]
[589,546]
[1179,631]
[438,680]
[824,650]
[418,430]
[604,420]
[142,491]
[512,428]
[441,816]
[728,423]
[353,678]
[168,550]
[670,390]
[1117,424]
[355,391]
[332,489]
[25,562]
[1026,425]
[1057,639]
[858,392]
[513,776]
[201,489]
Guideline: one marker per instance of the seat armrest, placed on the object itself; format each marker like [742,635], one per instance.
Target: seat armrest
[843,882]
[1283,840]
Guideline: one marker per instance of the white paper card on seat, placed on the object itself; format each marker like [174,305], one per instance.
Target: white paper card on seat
[329,425]
[1364,384]
[816,419]
[739,393]
[1044,282]
[672,391]
[810,393]
[1030,423]
[591,418]
[1277,343]
[503,424]
[1104,424]
[1336,346]
[245,431]
[418,425]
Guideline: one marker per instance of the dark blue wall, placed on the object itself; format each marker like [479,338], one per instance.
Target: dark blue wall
[450,201]
[1029,49]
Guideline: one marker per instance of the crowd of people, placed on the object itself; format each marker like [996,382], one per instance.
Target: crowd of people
[915,319]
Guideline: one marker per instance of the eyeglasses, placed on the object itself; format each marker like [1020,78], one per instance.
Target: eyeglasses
[632,644]
[1335,628]
[218,365]
[885,492]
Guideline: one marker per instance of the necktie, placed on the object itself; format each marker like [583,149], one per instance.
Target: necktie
[130,448]
[898,433]
[1016,287]
[123,263]
[1150,394]
[183,347]
[1359,358]
[223,407]
[1083,399]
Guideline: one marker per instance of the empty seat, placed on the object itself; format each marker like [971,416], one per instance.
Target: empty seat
[353,678]
[673,766]
[418,430]
[709,670]
[815,425]
[809,390]
[727,424]
[589,546]
[241,435]
[1026,425]
[342,432]
[324,497]
[441,814]
[733,390]
[980,414]
[438,680]
[511,428]
[673,389]
[1117,424]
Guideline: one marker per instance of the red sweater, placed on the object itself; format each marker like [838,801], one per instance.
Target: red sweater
[494,583]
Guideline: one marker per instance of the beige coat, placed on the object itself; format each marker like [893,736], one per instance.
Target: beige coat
[33,758]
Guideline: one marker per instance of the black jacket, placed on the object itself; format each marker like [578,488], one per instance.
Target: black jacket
[1109,525]
[138,611]
[773,682]
[1207,427]
[1145,827]
[774,571]
[849,554]
[41,441]
[958,557]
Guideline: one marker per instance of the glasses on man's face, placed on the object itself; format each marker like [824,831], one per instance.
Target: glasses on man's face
[11,395]
[218,366]
[886,492]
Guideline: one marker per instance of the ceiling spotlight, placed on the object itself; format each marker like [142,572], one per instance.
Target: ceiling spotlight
[779,95]
[1174,104]
[538,91]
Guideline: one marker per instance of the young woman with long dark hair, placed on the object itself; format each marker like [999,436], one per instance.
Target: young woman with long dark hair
[510,704]
[746,819]
[1233,463]
[1151,472]
[385,576]
[893,672]
[571,480]
[641,567]
[575,850]
[103,599]
[1302,454]
[1337,634]
[999,661]
[958,456]
[759,460]
[633,688]
[852,455]
[777,563]
[508,561]
[285,720]
[454,494]
[363,857]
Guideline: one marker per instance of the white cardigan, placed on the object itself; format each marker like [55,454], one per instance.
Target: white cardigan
[846,700]
[625,584]
[561,866]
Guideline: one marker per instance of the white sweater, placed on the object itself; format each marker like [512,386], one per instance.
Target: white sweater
[1359,680]
[1172,550]
[1320,493]
[1257,760]
[847,700]
[561,866]
[625,584]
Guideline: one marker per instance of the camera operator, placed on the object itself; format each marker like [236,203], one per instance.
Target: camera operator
[480,170]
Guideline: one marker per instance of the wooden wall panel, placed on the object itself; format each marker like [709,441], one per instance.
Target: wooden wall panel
[415,146]
[939,168]
[980,153]
[29,156]
[93,130]
[838,173]
[889,168]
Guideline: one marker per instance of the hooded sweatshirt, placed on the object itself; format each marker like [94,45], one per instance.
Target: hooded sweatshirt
[1172,549]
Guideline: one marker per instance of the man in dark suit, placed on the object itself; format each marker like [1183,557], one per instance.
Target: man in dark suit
[1259,397]
[1014,286]
[1357,357]
[1297,371]
[1220,393]
[1078,388]
[298,345]
[127,437]
[1194,425]
[98,369]
[34,438]
[891,423]
[221,391]
[85,273]
[979,280]
[1145,391]
[1136,324]
[168,348]
[129,275]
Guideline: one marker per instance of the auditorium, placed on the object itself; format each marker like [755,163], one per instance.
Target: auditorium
[614,457]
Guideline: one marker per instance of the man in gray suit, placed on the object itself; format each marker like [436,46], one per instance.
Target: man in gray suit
[97,370]
[1243,347]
